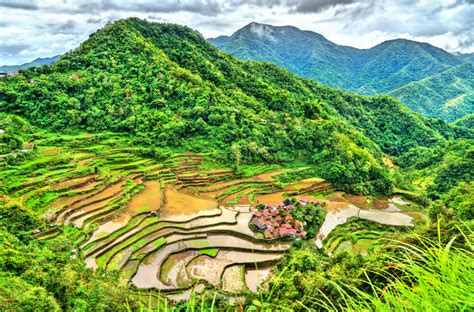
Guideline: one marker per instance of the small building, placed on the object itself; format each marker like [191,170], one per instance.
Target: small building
[260,224]
[3,75]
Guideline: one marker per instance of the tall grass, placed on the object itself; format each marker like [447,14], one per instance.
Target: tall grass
[158,303]
[430,277]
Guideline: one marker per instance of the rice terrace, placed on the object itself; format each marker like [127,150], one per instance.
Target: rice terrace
[185,222]
[240,156]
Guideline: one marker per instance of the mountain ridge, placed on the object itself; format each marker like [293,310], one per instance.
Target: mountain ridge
[383,68]
[10,69]
[169,88]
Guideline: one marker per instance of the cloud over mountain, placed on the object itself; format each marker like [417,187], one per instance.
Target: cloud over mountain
[34,28]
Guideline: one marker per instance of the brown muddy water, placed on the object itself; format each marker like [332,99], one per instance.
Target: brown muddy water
[180,206]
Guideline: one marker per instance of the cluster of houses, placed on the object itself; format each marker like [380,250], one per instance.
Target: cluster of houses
[277,221]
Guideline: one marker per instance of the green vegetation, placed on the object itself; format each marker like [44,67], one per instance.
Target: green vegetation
[441,273]
[172,91]
[126,106]
[15,133]
[159,242]
[437,169]
[211,252]
[448,95]
[38,275]
[311,214]
[429,80]
[466,121]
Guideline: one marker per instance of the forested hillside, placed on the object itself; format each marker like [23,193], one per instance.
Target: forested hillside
[384,68]
[146,152]
[172,90]
[448,95]
[466,121]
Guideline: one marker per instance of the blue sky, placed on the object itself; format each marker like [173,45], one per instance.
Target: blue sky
[41,28]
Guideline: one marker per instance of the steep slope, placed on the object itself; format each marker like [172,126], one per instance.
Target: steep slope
[466,121]
[384,67]
[381,69]
[395,63]
[171,90]
[448,95]
[10,69]
[303,52]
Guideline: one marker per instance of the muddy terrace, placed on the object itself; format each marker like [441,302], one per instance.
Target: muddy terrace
[172,224]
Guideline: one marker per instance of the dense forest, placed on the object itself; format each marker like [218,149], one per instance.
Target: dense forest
[166,90]
[447,95]
[173,90]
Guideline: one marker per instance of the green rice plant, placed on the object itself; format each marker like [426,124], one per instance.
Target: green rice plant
[211,252]
[159,242]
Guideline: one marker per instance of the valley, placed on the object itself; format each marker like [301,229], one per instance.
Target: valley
[146,170]
[173,224]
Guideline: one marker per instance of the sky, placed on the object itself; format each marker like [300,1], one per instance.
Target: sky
[43,28]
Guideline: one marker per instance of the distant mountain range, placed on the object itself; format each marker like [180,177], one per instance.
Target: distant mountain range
[427,79]
[10,69]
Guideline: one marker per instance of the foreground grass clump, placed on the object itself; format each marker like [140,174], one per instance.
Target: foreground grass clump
[430,277]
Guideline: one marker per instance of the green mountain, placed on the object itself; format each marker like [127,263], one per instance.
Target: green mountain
[466,121]
[10,69]
[467,56]
[382,69]
[106,131]
[172,90]
[448,95]
[305,53]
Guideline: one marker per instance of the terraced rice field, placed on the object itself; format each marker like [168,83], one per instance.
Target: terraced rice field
[168,224]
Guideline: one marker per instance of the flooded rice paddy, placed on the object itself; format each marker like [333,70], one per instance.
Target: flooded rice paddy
[174,225]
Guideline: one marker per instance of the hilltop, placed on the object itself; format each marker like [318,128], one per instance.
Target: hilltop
[384,68]
[172,90]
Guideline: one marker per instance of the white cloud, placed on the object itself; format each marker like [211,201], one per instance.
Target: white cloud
[40,28]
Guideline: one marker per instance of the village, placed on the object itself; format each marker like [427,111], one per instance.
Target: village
[277,221]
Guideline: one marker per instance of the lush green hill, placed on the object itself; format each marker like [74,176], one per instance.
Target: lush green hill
[388,66]
[163,90]
[15,133]
[448,95]
[174,91]
[466,121]
[438,169]
[305,53]
[10,69]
